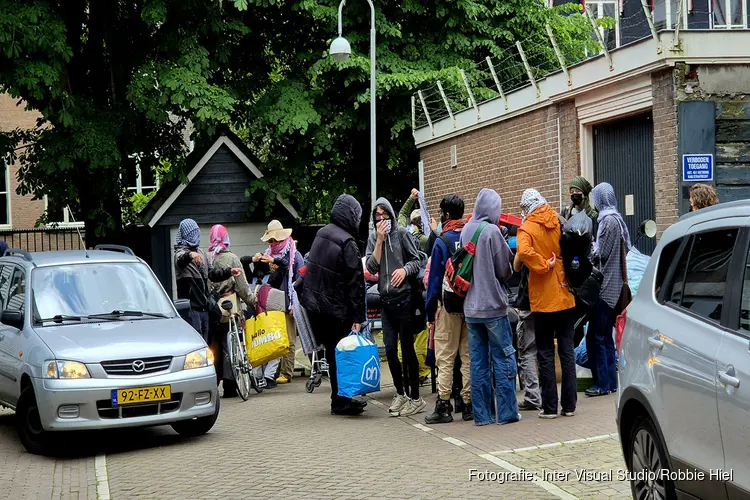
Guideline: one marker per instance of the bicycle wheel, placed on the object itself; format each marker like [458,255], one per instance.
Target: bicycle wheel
[237,361]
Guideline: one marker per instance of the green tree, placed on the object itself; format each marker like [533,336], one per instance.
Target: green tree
[114,79]
[310,125]
[120,79]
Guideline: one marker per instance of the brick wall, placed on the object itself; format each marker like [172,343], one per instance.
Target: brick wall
[24,211]
[508,157]
[570,144]
[665,149]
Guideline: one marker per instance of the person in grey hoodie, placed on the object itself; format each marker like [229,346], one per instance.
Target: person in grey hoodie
[393,255]
[486,311]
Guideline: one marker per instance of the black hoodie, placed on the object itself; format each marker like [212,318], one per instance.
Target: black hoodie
[334,283]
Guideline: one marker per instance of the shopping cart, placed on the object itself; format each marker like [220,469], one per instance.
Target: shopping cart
[318,368]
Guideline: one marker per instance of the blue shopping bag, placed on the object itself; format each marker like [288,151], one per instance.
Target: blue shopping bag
[357,366]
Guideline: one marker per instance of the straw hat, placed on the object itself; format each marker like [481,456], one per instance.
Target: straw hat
[276,232]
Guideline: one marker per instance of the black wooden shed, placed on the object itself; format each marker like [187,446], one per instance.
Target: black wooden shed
[214,193]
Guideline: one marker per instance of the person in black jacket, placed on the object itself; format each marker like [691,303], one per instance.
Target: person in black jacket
[192,273]
[333,290]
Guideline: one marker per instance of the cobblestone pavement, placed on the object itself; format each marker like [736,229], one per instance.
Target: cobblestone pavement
[285,444]
[29,476]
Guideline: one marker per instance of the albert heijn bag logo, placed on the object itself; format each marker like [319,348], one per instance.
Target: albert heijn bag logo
[371,373]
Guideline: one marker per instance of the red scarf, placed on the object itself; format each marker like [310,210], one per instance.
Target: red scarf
[454,225]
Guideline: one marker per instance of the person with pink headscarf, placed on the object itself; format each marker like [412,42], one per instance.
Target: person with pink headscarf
[219,255]
[280,267]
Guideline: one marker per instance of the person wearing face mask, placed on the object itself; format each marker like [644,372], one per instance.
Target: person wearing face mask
[392,254]
[580,189]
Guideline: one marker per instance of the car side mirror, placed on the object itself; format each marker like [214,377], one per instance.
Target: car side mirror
[12,318]
[648,228]
[182,305]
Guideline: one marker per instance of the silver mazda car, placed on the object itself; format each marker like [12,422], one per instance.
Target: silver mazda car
[90,340]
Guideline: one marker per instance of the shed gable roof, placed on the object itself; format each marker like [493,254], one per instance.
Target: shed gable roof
[207,180]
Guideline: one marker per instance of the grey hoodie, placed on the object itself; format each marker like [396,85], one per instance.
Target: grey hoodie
[487,297]
[399,251]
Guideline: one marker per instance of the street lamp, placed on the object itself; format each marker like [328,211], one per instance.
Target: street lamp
[340,51]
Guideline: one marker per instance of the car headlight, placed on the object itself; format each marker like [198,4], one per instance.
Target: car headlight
[65,369]
[199,359]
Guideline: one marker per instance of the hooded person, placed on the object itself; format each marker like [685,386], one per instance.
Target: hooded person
[486,312]
[193,270]
[333,290]
[580,191]
[393,255]
[611,246]
[551,302]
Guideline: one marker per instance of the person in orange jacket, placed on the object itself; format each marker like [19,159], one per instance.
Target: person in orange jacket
[552,303]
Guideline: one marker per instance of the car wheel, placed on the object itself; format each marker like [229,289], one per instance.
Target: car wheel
[197,426]
[29,424]
[647,460]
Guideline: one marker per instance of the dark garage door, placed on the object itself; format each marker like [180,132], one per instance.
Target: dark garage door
[624,157]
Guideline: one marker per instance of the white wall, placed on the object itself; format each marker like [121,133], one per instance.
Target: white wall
[244,238]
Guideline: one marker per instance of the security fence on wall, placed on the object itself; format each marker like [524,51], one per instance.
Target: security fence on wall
[525,63]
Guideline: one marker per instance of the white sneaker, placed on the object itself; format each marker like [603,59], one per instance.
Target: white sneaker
[413,407]
[399,403]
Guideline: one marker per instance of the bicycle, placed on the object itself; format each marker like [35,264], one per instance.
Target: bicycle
[241,368]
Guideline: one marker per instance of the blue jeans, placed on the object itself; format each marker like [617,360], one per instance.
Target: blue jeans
[493,338]
[601,348]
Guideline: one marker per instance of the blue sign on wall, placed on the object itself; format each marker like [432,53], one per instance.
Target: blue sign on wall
[697,168]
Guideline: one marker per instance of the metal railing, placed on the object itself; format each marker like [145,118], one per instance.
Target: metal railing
[42,240]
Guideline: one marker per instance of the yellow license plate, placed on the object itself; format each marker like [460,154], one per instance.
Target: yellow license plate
[141,395]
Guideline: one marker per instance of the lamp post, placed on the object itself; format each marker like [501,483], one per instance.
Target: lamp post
[340,51]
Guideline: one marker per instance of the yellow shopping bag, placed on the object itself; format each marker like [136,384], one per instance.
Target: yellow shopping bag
[266,337]
[420,345]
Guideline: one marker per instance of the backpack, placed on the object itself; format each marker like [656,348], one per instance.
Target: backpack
[459,272]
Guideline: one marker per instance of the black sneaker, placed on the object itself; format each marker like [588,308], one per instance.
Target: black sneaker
[358,403]
[458,404]
[468,413]
[348,410]
[271,383]
[442,413]
[526,406]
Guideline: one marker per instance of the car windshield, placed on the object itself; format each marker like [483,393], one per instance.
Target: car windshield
[109,289]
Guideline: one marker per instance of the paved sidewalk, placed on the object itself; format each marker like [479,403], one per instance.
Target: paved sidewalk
[25,476]
[557,451]
[285,444]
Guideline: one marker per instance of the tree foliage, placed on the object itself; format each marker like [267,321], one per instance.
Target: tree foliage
[311,123]
[117,80]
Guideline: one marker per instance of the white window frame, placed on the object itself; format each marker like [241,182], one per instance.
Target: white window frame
[597,10]
[139,187]
[67,220]
[727,11]
[7,192]
[685,12]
